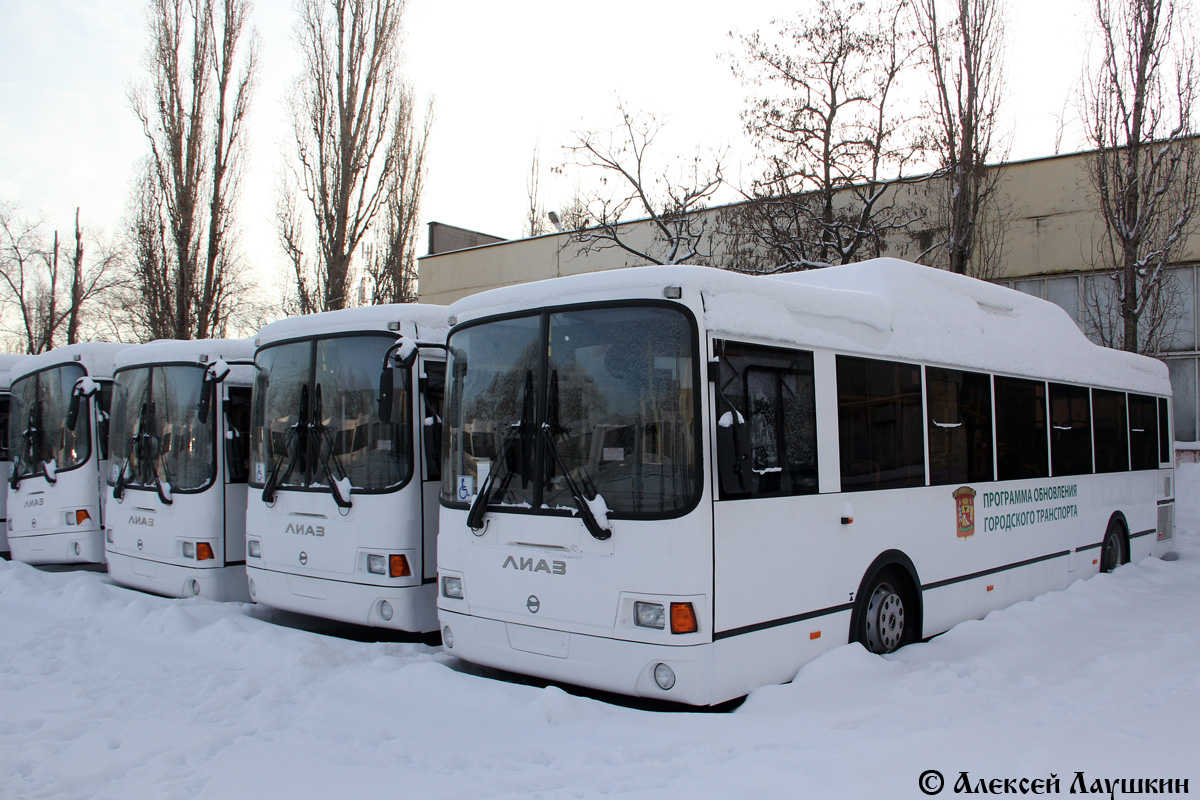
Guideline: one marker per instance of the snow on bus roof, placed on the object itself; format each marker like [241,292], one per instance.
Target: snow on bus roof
[884,307]
[175,350]
[95,357]
[430,322]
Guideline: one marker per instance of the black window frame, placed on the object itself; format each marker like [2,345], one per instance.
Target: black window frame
[905,400]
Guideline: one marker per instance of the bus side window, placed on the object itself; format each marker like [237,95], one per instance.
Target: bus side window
[767,430]
[960,426]
[237,440]
[1110,431]
[1143,432]
[1070,430]
[433,394]
[5,401]
[1165,453]
[1021,448]
[881,431]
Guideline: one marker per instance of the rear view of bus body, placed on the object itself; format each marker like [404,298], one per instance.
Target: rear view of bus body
[176,485]
[58,441]
[344,466]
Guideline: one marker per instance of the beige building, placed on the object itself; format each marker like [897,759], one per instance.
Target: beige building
[1048,242]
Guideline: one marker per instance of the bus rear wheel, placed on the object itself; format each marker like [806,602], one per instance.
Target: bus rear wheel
[1113,553]
[884,625]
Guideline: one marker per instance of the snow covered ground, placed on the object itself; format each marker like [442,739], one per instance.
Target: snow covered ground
[109,693]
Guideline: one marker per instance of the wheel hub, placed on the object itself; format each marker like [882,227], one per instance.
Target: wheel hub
[885,619]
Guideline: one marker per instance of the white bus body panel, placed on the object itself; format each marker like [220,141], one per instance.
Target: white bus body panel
[146,535]
[40,534]
[774,580]
[314,554]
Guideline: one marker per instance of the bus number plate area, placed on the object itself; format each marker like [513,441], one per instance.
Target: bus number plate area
[528,639]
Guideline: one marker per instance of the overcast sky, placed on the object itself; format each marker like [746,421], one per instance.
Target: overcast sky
[505,78]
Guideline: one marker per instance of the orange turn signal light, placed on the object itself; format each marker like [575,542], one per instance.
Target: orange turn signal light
[398,566]
[81,517]
[204,551]
[683,618]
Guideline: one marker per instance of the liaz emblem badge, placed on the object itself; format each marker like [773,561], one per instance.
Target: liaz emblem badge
[964,504]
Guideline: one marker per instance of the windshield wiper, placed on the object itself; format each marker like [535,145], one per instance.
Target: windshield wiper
[297,437]
[328,459]
[551,429]
[517,432]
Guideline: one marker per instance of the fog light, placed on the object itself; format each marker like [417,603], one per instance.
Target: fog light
[204,552]
[664,676]
[649,615]
[194,587]
[447,637]
[385,610]
[376,564]
[253,589]
[189,549]
[254,548]
[452,587]
[75,548]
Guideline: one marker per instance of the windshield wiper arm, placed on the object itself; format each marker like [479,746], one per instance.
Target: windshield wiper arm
[328,460]
[517,433]
[585,510]
[293,438]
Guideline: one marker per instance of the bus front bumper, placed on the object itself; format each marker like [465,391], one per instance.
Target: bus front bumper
[412,608]
[227,584]
[69,546]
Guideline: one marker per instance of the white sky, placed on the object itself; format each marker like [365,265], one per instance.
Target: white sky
[505,78]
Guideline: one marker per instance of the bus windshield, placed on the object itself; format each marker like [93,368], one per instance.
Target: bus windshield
[316,421]
[157,439]
[41,441]
[602,399]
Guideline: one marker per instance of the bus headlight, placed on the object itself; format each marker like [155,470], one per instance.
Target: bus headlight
[649,615]
[452,587]
[254,548]
[189,549]
[376,564]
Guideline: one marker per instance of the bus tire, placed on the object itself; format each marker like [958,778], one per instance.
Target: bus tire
[1115,550]
[888,617]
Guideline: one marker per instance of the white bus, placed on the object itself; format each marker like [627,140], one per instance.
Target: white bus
[682,483]
[344,466]
[58,441]
[179,441]
[7,362]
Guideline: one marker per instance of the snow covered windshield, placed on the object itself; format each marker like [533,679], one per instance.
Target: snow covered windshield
[603,397]
[38,432]
[316,419]
[157,438]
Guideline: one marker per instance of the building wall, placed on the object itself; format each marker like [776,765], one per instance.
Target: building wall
[1049,241]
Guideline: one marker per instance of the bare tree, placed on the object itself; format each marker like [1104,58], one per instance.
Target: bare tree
[343,122]
[1145,174]
[193,116]
[965,58]
[52,289]
[827,125]
[667,201]
[392,269]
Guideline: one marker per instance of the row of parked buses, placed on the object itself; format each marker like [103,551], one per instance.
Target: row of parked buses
[670,482]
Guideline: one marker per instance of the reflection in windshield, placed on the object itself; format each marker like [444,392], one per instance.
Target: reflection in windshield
[156,437]
[40,439]
[316,416]
[614,392]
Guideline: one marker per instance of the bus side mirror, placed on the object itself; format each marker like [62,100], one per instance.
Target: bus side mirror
[216,372]
[733,449]
[84,387]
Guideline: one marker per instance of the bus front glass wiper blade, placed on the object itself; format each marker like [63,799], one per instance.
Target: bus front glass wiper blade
[517,433]
[297,438]
[581,502]
[322,439]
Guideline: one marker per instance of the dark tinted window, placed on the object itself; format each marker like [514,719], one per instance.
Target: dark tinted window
[1070,429]
[237,442]
[1143,432]
[766,426]
[1164,431]
[4,433]
[960,426]
[880,427]
[1110,431]
[1021,450]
